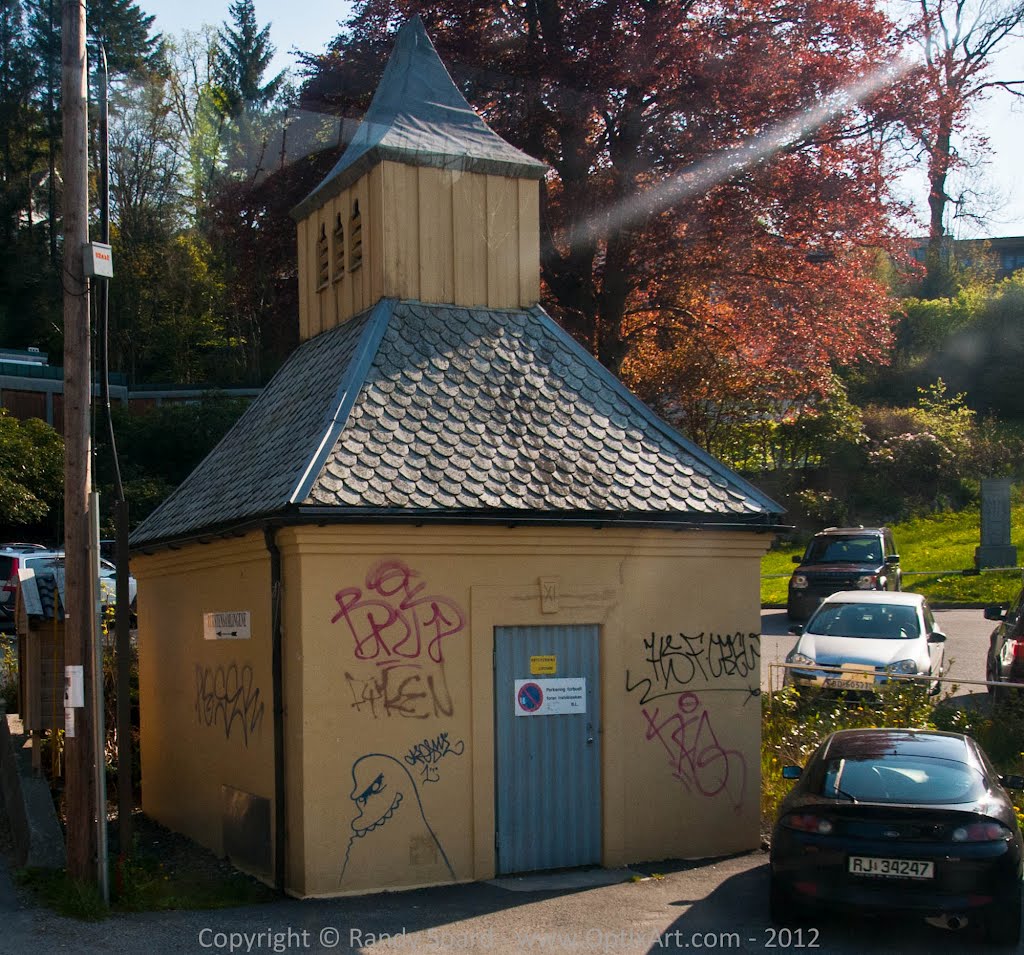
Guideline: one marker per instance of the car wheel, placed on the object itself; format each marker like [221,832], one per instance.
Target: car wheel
[1002,922]
[781,906]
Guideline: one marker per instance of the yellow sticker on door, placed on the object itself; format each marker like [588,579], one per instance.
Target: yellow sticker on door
[543,666]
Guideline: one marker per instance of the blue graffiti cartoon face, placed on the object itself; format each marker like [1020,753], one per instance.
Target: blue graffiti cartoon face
[379,784]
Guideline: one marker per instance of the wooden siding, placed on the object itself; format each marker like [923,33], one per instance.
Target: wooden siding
[430,234]
[469,199]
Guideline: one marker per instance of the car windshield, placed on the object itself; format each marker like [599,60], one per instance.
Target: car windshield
[902,779]
[868,620]
[844,550]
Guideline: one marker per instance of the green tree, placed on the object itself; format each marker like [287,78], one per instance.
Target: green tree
[244,97]
[159,448]
[984,356]
[242,55]
[31,470]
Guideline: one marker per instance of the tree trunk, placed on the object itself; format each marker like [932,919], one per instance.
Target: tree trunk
[936,262]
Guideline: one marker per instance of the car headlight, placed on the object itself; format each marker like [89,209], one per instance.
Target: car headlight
[867,582]
[800,658]
[902,666]
[798,581]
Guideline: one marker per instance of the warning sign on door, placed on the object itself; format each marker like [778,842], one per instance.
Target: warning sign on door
[550,697]
[544,665]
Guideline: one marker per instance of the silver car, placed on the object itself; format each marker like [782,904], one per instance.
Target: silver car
[869,637]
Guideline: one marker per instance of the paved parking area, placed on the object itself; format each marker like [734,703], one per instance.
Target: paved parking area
[717,905]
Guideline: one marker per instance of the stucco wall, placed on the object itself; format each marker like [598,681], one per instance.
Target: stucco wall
[388,636]
[396,694]
[205,705]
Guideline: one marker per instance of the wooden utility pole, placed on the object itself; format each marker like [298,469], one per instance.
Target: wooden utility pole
[79,748]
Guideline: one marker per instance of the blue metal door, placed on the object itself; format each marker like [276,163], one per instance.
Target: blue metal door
[548,750]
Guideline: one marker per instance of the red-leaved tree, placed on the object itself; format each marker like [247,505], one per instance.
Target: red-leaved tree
[718,198]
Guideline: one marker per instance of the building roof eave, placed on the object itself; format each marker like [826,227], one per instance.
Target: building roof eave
[307,515]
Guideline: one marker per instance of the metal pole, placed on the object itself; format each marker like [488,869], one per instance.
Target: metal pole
[99,728]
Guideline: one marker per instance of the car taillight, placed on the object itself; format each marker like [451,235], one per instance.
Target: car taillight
[807,822]
[12,582]
[1018,649]
[980,832]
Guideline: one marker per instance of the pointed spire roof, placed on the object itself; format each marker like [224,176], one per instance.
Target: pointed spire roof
[419,117]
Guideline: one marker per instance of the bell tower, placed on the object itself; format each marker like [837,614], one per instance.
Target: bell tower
[426,203]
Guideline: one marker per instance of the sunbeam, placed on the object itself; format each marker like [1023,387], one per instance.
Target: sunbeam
[701,177]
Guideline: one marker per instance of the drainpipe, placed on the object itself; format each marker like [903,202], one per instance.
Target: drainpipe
[280,818]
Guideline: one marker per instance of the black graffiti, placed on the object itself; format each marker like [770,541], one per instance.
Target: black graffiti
[226,695]
[429,752]
[401,689]
[676,660]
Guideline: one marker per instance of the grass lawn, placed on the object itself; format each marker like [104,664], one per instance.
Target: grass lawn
[942,544]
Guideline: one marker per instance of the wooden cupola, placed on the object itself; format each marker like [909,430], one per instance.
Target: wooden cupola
[427,203]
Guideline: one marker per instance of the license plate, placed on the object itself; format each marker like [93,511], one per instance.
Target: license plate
[853,677]
[838,683]
[892,868]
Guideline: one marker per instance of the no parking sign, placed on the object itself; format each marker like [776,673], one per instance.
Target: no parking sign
[550,697]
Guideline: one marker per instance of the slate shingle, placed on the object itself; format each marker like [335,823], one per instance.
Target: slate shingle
[444,409]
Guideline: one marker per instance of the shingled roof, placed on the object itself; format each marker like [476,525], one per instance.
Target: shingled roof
[416,411]
[418,117]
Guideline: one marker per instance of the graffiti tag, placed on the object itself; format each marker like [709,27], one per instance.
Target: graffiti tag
[225,695]
[697,759]
[401,689]
[428,753]
[392,616]
[677,659]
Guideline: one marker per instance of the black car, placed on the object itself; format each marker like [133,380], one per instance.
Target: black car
[1005,660]
[903,821]
[842,558]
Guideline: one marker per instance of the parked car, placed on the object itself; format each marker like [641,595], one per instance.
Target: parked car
[900,820]
[13,557]
[36,559]
[843,558]
[871,636]
[1005,660]
[108,580]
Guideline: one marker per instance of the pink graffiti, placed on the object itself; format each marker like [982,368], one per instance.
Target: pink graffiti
[400,620]
[697,759]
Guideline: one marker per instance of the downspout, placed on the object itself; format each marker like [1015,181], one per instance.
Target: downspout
[276,666]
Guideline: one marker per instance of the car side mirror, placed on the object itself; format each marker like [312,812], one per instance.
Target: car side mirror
[1010,781]
[892,559]
[797,630]
[936,636]
[791,772]
[797,559]
[995,612]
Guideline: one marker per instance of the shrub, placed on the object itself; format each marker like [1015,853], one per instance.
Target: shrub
[9,677]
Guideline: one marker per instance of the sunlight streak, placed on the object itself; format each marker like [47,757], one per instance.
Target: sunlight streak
[701,177]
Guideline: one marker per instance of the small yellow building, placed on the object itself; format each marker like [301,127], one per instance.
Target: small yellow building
[448,601]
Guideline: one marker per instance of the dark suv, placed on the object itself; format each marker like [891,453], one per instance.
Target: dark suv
[842,558]
[1005,661]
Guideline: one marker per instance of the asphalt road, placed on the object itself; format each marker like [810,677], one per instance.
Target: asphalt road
[967,633]
[717,904]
